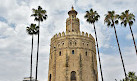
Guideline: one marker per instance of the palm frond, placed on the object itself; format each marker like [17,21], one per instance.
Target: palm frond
[116,22]
[127,17]
[32,29]
[39,14]
[91,10]
[91,16]
[130,23]
[111,18]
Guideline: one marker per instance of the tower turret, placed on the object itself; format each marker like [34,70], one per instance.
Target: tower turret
[72,23]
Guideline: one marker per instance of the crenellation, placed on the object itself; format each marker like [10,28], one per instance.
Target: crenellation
[56,36]
[83,33]
[86,34]
[90,36]
[59,35]
[63,34]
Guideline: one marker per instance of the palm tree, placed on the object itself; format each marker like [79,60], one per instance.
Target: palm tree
[128,18]
[39,15]
[111,19]
[91,17]
[131,77]
[32,30]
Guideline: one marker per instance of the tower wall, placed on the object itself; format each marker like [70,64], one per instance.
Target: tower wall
[72,52]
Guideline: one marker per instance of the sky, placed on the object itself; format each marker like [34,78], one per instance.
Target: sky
[15,43]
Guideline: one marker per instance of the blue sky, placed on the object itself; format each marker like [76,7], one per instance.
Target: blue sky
[15,44]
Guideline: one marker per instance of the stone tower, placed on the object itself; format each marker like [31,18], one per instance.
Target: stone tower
[72,54]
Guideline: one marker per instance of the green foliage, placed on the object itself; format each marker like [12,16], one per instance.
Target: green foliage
[33,29]
[111,18]
[130,77]
[127,18]
[39,14]
[92,16]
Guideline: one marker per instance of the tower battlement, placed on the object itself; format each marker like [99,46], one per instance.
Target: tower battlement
[72,33]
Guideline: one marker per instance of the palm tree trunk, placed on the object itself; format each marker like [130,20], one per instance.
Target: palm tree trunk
[31,60]
[133,39]
[120,53]
[98,53]
[37,52]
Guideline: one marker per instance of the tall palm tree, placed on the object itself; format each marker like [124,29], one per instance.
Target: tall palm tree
[128,18]
[39,15]
[32,30]
[111,19]
[91,17]
[131,77]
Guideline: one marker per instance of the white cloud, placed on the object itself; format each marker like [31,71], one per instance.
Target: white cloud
[129,36]
[112,65]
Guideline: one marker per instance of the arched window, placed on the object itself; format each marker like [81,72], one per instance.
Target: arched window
[86,53]
[50,77]
[60,53]
[72,16]
[75,43]
[72,30]
[83,44]
[72,51]
[63,43]
[70,43]
[87,44]
[73,75]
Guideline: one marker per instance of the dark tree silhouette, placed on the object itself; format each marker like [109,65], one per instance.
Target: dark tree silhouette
[128,18]
[32,30]
[130,77]
[111,19]
[40,15]
[92,17]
